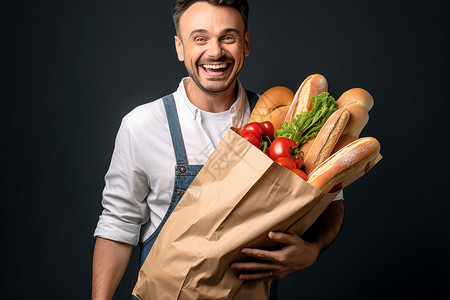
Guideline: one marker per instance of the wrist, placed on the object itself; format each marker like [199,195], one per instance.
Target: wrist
[314,250]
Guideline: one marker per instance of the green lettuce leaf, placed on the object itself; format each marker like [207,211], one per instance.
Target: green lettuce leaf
[308,124]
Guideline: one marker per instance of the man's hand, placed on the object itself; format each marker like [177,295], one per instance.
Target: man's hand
[295,254]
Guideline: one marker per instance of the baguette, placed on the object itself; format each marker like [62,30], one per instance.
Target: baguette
[352,158]
[358,102]
[325,141]
[313,85]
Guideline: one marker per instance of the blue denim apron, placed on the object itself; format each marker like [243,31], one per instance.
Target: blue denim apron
[184,175]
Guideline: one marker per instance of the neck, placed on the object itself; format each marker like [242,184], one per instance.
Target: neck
[214,103]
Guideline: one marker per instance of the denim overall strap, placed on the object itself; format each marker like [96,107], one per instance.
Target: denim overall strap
[175,130]
[184,173]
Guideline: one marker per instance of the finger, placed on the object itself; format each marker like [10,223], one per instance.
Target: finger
[254,266]
[284,238]
[257,276]
[261,254]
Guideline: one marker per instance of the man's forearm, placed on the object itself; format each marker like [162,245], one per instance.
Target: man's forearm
[109,263]
[326,228]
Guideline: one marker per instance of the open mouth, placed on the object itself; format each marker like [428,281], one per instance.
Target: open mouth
[216,69]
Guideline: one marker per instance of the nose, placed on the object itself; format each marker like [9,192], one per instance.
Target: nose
[215,48]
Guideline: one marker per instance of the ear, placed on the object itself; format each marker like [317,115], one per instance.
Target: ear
[247,44]
[179,48]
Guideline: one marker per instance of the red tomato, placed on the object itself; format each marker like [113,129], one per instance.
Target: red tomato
[281,147]
[253,139]
[253,127]
[269,129]
[298,161]
[300,173]
[286,162]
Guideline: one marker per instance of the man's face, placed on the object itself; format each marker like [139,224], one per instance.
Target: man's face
[213,43]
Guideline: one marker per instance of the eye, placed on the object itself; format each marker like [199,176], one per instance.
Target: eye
[228,39]
[200,40]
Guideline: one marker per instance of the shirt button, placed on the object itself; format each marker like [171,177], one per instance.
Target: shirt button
[182,169]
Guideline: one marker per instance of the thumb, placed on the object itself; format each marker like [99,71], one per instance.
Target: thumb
[281,237]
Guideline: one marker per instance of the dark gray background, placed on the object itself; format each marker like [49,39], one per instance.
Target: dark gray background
[73,69]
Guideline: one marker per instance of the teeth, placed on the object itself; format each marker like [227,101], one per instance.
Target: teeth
[215,67]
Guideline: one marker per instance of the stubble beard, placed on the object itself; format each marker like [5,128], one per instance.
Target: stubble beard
[213,88]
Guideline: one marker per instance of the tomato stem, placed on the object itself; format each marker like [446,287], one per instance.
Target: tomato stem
[296,152]
[264,146]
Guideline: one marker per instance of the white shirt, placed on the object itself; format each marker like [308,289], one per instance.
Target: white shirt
[139,181]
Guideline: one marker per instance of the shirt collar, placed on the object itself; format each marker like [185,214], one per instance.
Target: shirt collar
[238,110]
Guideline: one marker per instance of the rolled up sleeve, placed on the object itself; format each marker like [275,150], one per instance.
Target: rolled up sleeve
[124,196]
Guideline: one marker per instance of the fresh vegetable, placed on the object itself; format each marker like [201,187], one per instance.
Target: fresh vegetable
[299,160]
[259,134]
[269,129]
[283,147]
[308,124]
[252,139]
[282,150]
[255,128]
[300,173]
[286,162]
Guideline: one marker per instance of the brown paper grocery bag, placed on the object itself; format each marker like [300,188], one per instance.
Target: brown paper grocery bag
[236,199]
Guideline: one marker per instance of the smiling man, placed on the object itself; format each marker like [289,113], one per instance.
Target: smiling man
[212,41]
[146,180]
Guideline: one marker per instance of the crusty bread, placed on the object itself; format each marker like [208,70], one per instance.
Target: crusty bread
[351,159]
[358,102]
[356,96]
[313,85]
[326,139]
[343,141]
[306,146]
[272,106]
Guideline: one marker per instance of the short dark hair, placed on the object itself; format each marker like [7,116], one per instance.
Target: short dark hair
[180,6]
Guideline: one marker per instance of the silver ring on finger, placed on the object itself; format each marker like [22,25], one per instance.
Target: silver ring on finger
[270,273]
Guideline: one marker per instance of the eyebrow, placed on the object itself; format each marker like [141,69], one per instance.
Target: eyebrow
[226,30]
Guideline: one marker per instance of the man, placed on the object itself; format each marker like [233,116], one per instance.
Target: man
[182,130]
